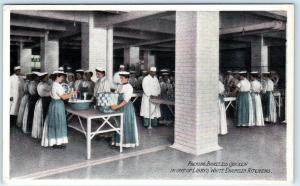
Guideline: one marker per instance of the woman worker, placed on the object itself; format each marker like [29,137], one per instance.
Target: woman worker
[55,127]
[130,132]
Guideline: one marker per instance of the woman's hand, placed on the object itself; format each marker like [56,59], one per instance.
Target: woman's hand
[114,107]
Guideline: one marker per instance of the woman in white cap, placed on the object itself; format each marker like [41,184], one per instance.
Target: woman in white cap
[33,97]
[222,110]
[102,84]
[41,106]
[87,84]
[117,81]
[16,94]
[24,100]
[256,89]
[55,126]
[244,108]
[269,100]
[151,88]
[79,79]
[130,132]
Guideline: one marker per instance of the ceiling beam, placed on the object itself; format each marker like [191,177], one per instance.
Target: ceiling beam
[23,32]
[21,39]
[157,49]
[78,16]
[37,24]
[151,25]
[144,43]
[71,31]
[136,34]
[273,25]
[110,20]
[279,15]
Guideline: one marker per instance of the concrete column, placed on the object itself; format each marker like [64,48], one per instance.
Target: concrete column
[132,57]
[149,60]
[197,70]
[97,48]
[259,55]
[49,54]
[25,59]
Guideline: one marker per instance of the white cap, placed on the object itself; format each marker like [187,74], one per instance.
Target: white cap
[254,72]
[122,66]
[144,71]
[58,72]
[29,73]
[265,72]
[153,69]
[100,69]
[42,73]
[229,71]
[61,68]
[70,74]
[87,71]
[132,72]
[164,70]
[79,70]
[17,68]
[35,72]
[165,74]
[243,72]
[124,73]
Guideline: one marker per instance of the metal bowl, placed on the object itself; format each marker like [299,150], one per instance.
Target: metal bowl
[80,104]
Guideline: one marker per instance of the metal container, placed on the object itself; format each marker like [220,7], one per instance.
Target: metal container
[80,104]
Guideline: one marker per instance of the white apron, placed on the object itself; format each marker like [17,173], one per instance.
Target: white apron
[16,92]
[151,87]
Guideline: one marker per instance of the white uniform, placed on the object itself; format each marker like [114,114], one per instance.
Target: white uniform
[16,92]
[102,85]
[78,84]
[43,90]
[256,89]
[89,86]
[151,87]
[268,86]
[222,111]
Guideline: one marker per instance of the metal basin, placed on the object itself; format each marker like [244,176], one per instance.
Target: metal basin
[80,104]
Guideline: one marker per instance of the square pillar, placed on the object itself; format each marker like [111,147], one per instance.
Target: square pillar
[132,57]
[149,60]
[96,48]
[259,55]
[25,58]
[49,54]
[197,71]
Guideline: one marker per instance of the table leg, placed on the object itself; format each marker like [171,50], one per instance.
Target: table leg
[279,105]
[121,133]
[150,115]
[88,139]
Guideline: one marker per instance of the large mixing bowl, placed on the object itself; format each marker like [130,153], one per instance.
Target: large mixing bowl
[80,104]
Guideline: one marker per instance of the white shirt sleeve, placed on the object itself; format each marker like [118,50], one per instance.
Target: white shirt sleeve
[239,84]
[127,91]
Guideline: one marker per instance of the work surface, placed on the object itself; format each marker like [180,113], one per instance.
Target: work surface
[89,113]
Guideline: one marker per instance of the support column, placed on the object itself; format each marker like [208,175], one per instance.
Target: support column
[96,48]
[49,54]
[25,58]
[132,57]
[149,60]
[196,94]
[259,55]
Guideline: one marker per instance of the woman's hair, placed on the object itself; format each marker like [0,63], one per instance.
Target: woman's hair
[55,76]
[125,76]
[102,72]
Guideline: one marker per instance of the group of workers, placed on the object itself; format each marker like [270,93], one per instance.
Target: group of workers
[37,101]
[255,102]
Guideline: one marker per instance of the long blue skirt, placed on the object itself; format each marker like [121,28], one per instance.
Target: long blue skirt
[55,127]
[130,133]
[243,116]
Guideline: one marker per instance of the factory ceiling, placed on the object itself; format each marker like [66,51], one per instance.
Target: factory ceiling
[150,30]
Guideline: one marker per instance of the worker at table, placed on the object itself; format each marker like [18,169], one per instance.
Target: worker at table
[41,106]
[244,107]
[33,97]
[132,80]
[269,105]
[24,100]
[16,94]
[166,94]
[117,82]
[151,89]
[87,84]
[55,126]
[71,80]
[222,111]
[102,84]
[130,132]
[140,79]
[79,79]
[256,89]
